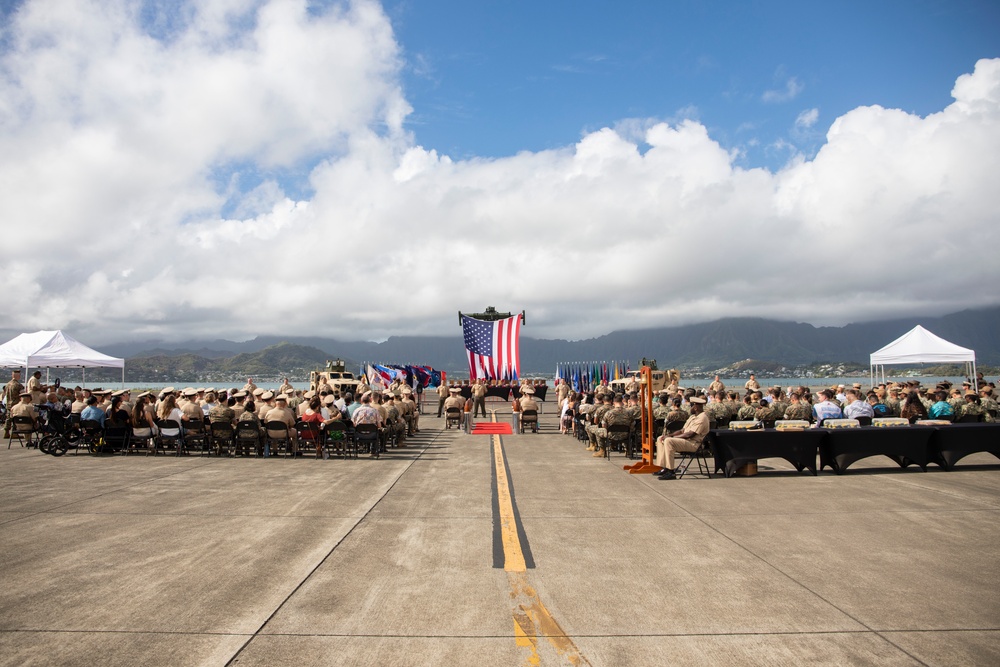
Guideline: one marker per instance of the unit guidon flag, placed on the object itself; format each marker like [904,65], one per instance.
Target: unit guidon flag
[493,347]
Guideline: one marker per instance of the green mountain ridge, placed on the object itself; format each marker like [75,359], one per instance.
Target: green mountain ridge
[705,347]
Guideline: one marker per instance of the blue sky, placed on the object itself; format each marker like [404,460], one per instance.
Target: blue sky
[491,78]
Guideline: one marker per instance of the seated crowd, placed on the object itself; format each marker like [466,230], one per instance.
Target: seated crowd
[688,414]
[176,413]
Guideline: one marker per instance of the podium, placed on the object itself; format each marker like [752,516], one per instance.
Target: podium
[648,450]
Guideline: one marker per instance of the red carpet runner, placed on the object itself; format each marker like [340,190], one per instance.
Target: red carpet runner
[492,428]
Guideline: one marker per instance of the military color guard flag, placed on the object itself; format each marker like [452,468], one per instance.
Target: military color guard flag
[493,347]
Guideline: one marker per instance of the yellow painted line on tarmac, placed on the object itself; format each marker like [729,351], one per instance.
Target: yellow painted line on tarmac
[532,621]
[513,555]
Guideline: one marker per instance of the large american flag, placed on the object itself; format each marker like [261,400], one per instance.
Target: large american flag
[493,347]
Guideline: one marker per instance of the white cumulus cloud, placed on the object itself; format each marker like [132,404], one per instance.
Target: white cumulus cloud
[143,195]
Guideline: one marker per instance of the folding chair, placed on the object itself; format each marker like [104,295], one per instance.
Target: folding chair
[310,432]
[195,436]
[338,438]
[147,442]
[617,434]
[116,438]
[163,441]
[367,434]
[529,418]
[277,436]
[673,426]
[91,432]
[23,428]
[701,455]
[248,438]
[453,416]
[222,437]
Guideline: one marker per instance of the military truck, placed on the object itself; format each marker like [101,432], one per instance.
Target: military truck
[337,376]
[660,379]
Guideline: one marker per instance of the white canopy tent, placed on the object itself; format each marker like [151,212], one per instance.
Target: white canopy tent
[920,346]
[54,349]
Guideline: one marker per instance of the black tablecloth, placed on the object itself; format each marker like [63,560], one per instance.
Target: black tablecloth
[732,449]
[951,443]
[841,448]
[903,444]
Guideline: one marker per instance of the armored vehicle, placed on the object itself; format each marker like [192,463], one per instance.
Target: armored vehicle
[336,375]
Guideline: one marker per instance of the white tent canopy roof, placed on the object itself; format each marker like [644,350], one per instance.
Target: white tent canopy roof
[919,346]
[53,349]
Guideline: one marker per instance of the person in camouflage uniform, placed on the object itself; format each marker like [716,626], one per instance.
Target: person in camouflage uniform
[597,415]
[12,396]
[716,409]
[616,415]
[892,402]
[798,409]
[925,398]
[749,408]
[223,412]
[733,403]
[676,414]
[972,405]
[394,422]
[661,407]
[634,410]
[989,404]
[765,413]
[778,402]
[957,402]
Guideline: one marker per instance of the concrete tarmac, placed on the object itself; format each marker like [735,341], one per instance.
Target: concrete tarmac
[407,560]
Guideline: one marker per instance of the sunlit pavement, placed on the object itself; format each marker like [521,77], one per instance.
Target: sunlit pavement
[492,550]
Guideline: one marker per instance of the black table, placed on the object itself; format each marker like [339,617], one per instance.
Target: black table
[952,443]
[505,393]
[540,392]
[903,444]
[733,449]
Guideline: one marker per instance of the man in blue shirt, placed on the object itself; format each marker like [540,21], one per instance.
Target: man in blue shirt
[92,412]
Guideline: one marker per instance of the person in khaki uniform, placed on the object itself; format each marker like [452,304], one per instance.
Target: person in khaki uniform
[12,396]
[408,407]
[36,388]
[25,408]
[479,398]
[442,397]
[191,409]
[79,402]
[454,400]
[562,391]
[688,439]
[267,403]
[716,385]
[282,413]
